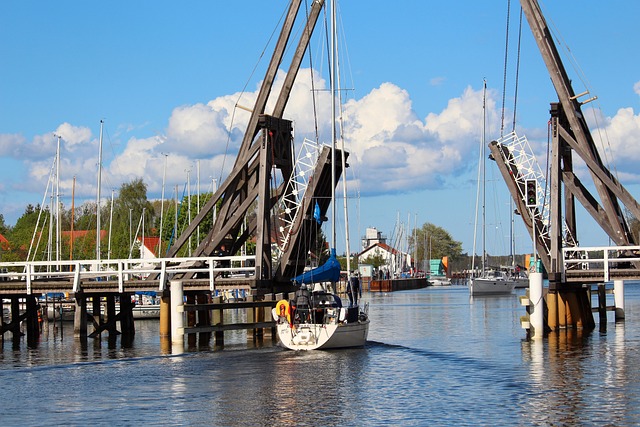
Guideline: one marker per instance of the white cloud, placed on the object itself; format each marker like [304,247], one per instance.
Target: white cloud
[73,135]
[392,142]
[392,148]
[10,145]
[636,88]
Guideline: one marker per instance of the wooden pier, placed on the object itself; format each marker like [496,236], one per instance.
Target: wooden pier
[96,288]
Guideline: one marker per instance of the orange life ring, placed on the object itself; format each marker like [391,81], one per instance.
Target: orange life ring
[283,310]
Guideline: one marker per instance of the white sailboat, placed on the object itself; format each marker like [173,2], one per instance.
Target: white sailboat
[316,319]
[490,281]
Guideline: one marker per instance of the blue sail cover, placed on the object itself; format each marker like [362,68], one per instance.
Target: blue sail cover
[327,272]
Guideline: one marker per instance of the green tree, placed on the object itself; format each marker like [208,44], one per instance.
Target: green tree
[4,229]
[433,242]
[22,234]
[375,260]
[128,209]
[174,225]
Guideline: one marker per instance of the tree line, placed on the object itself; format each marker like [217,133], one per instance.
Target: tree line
[123,221]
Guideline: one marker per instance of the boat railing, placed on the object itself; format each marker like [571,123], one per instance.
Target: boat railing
[124,270]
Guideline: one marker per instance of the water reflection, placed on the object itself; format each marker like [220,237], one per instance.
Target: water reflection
[577,376]
[435,357]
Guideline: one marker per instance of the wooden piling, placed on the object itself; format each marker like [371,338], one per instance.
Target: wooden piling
[562,311]
[165,323]
[218,319]
[127,325]
[33,327]
[96,313]
[203,319]
[80,316]
[552,304]
[191,320]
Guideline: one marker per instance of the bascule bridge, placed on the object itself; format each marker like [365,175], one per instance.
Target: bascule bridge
[268,196]
[547,202]
[284,216]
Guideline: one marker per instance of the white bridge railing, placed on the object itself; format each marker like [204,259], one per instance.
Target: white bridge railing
[603,259]
[126,269]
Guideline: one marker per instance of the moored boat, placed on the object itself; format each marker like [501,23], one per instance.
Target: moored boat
[492,282]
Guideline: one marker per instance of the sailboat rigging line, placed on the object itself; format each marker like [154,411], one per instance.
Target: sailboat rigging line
[41,210]
[515,95]
[504,74]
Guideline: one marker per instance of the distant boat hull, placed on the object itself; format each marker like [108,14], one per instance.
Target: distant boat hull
[491,286]
[440,281]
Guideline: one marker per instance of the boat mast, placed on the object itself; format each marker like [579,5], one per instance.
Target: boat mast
[98,196]
[73,201]
[484,181]
[333,124]
[344,166]
[58,246]
[110,225]
[164,177]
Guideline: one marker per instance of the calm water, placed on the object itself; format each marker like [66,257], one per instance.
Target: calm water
[435,357]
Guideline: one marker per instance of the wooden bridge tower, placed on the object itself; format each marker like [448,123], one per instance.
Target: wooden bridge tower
[568,303]
[267,149]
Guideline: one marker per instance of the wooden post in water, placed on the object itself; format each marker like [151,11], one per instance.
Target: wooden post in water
[165,322]
[552,304]
[80,316]
[577,315]
[618,296]
[204,319]
[562,311]
[33,328]
[266,316]
[251,318]
[111,316]
[126,318]
[218,319]
[602,305]
[96,312]
[191,320]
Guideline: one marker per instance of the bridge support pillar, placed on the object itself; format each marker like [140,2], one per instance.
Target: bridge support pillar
[537,301]
[177,314]
[618,295]
[165,322]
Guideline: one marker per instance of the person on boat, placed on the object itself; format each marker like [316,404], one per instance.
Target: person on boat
[354,289]
[302,303]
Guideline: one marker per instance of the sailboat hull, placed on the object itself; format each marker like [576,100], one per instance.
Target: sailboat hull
[322,336]
[491,286]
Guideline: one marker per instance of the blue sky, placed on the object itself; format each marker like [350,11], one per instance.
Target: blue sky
[165,77]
